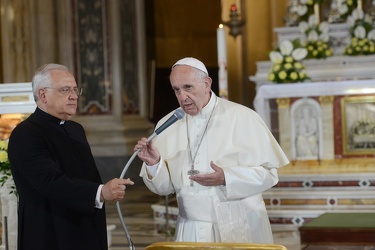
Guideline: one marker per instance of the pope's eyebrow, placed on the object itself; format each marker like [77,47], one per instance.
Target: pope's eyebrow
[185,86]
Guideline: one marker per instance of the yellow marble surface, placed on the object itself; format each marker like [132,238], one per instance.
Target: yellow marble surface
[210,245]
[340,166]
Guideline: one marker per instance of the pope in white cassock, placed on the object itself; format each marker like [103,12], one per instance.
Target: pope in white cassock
[218,160]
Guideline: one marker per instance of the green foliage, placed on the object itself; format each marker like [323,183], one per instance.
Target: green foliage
[360,46]
[317,49]
[5,169]
[287,71]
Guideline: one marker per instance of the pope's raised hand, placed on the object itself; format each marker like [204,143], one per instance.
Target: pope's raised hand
[147,152]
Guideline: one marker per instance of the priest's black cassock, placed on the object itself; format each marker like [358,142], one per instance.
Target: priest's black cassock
[57,181]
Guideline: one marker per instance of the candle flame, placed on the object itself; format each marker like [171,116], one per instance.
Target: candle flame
[221,26]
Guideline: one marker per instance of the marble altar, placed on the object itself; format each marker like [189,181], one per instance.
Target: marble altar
[320,100]
[314,123]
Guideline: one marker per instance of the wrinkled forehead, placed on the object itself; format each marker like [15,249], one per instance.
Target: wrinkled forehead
[185,74]
[62,78]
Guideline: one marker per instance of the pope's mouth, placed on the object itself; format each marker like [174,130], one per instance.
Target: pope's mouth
[188,106]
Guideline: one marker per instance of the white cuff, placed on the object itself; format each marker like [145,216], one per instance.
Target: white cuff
[152,170]
[98,203]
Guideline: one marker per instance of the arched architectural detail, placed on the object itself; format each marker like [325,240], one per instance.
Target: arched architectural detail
[306,126]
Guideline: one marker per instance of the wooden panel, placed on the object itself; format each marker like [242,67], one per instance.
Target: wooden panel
[186,28]
[339,228]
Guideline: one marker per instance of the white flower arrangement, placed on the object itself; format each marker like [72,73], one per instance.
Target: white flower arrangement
[362,34]
[305,8]
[287,64]
[317,38]
[346,7]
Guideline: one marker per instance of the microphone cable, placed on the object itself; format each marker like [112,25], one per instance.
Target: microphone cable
[130,242]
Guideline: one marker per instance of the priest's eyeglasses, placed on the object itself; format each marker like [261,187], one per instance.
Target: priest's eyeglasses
[67,90]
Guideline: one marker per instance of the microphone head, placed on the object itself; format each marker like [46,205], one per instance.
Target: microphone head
[179,113]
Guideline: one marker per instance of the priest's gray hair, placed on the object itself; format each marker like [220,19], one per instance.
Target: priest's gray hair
[42,77]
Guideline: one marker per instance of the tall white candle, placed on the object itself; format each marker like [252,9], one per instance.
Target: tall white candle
[316,11]
[222,62]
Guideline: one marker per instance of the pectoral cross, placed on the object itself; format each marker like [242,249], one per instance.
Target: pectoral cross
[192,172]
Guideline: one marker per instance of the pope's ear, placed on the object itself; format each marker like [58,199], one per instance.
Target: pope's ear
[208,81]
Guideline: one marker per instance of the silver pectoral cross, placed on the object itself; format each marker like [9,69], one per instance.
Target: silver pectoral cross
[192,172]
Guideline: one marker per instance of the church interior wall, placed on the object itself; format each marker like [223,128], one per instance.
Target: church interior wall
[42,31]
[34,32]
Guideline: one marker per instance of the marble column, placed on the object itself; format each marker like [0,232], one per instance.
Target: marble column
[113,111]
[284,125]
[15,41]
[326,103]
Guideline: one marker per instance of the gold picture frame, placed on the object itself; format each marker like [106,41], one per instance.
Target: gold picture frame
[358,125]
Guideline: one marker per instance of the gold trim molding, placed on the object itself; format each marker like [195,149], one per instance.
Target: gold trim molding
[326,100]
[283,102]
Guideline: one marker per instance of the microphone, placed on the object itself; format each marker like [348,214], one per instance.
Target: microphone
[177,115]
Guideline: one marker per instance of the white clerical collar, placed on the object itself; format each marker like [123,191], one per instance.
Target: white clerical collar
[210,105]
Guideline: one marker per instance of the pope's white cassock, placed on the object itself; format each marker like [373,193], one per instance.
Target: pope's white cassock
[237,140]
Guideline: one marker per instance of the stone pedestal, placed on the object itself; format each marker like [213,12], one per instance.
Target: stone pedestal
[9,211]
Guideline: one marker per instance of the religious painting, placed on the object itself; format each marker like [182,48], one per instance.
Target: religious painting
[358,125]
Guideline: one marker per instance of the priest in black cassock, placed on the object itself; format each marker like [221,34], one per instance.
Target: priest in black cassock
[61,195]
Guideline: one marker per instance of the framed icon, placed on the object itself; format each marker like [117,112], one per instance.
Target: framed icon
[358,125]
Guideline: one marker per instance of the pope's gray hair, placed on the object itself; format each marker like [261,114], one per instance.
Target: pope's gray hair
[42,77]
[200,74]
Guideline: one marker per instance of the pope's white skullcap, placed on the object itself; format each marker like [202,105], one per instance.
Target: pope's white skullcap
[192,62]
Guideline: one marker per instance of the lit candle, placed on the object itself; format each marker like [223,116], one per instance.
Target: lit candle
[233,9]
[222,62]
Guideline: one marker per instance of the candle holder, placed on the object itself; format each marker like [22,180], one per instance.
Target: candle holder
[371,9]
[334,15]
[235,23]
[292,18]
